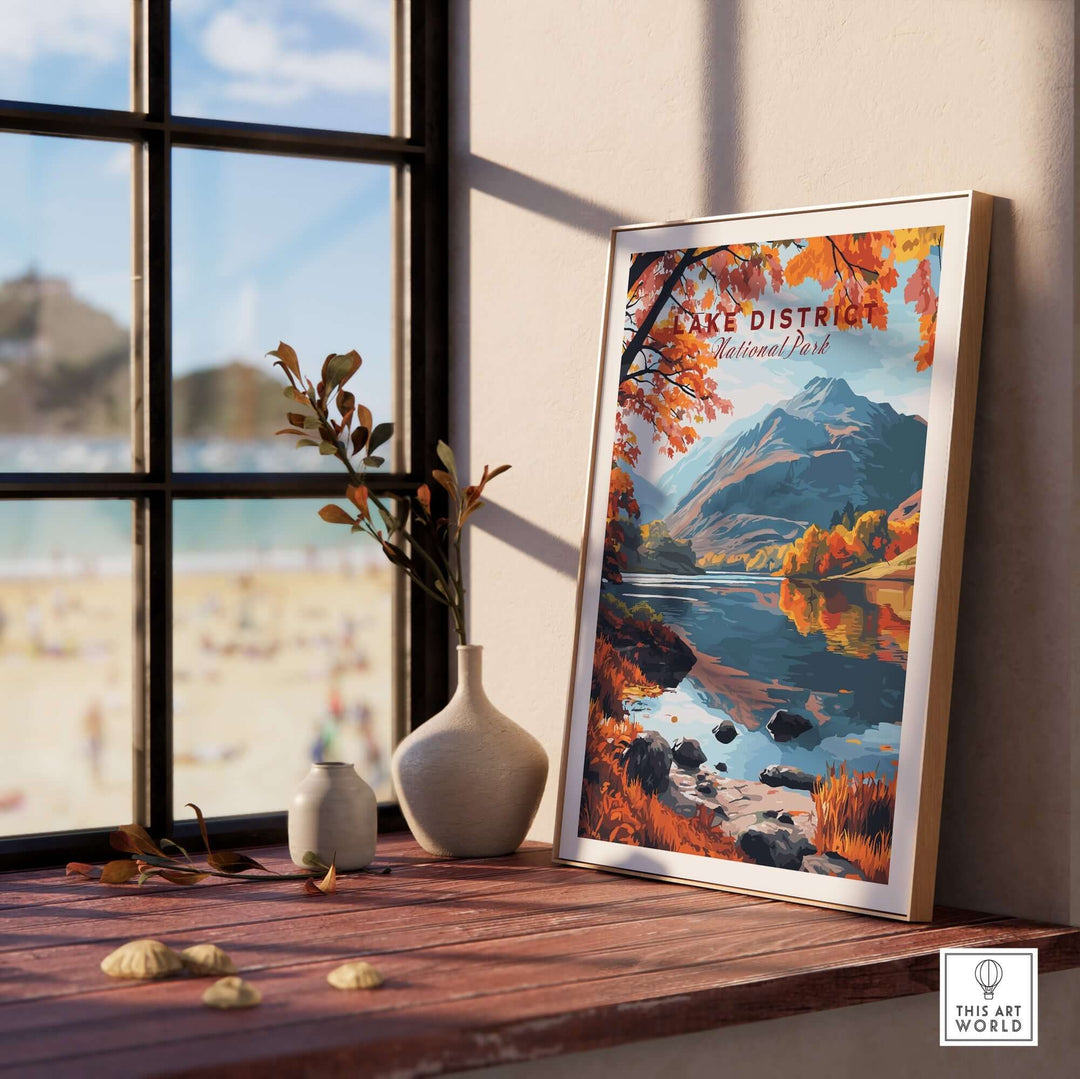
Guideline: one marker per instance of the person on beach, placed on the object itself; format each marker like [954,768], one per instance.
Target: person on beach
[94,729]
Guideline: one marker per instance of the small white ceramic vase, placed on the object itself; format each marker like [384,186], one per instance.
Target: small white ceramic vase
[334,814]
[469,780]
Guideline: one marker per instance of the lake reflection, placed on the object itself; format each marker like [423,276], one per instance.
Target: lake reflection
[833,651]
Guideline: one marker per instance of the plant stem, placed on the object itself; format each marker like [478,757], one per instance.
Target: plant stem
[459,609]
[180,867]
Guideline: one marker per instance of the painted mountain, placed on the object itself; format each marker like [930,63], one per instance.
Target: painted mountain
[806,459]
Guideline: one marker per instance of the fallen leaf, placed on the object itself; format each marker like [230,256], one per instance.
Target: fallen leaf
[120,871]
[202,824]
[134,839]
[182,876]
[232,861]
[325,886]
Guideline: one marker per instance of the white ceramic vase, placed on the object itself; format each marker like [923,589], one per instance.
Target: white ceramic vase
[469,780]
[333,813]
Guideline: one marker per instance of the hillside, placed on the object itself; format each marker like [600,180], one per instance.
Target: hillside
[809,456]
[64,366]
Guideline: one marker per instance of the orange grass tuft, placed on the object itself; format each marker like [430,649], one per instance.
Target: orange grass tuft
[854,819]
[616,811]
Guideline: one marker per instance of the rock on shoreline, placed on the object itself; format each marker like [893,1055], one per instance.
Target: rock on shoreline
[773,823]
[648,761]
[785,725]
[783,775]
[725,732]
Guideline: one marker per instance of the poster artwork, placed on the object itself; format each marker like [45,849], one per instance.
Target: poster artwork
[761,549]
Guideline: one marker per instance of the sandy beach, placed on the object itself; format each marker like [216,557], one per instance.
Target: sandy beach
[273,668]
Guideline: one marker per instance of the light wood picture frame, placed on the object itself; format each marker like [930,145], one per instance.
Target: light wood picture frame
[770,566]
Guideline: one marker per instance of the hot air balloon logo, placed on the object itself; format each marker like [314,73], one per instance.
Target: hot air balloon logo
[988,974]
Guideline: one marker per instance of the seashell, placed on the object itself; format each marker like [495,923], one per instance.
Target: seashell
[142,959]
[206,960]
[232,992]
[359,975]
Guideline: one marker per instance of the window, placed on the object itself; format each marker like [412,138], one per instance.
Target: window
[181,187]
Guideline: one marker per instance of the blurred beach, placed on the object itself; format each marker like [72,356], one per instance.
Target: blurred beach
[282,655]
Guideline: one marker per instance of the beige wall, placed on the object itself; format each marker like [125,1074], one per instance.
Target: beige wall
[570,117]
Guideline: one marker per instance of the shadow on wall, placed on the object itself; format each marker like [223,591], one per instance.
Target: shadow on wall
[528,538]
[594,216]
[1008,671]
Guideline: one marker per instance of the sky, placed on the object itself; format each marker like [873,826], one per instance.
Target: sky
[265,248]
[876,364]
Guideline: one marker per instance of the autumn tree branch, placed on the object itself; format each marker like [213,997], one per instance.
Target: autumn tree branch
[633,349]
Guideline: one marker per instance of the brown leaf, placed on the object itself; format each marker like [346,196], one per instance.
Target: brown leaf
[287,359]
[396,554]
[363,417]
[202,824]
[291,431]
[120,871]
[423,496]
[497,471]
[232,861]
[79,869]
[380,434]
[296,418]
[337,370]
[444,479]
[325,886]
[134,839]
[335,515]
[358,496]
[182,876]
[446,455]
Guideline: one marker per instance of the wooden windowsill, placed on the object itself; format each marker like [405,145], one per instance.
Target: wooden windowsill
[485,961]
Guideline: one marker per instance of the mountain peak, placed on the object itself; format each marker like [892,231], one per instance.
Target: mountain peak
[825,399]
[829,387]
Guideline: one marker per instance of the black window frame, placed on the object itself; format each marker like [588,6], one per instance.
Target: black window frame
[423,155]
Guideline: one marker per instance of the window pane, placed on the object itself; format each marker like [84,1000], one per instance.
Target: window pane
[282,653]
[268,249]
[292,62]
[66,52]
[65,305]
[66,603]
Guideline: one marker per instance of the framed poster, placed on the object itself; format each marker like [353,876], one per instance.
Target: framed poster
[770,568]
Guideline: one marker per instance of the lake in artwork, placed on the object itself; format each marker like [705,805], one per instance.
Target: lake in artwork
[835,652]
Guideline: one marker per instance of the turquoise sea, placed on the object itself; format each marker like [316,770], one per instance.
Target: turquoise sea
[47,537]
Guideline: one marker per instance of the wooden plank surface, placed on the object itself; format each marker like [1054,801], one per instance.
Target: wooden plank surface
[485,961]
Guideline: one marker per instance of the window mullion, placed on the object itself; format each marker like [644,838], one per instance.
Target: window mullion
[156,769]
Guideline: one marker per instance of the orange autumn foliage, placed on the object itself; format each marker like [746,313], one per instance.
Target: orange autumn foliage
[879,624]
[903,535]
[872,538]
[854,819]
[614,810]
[860,270]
